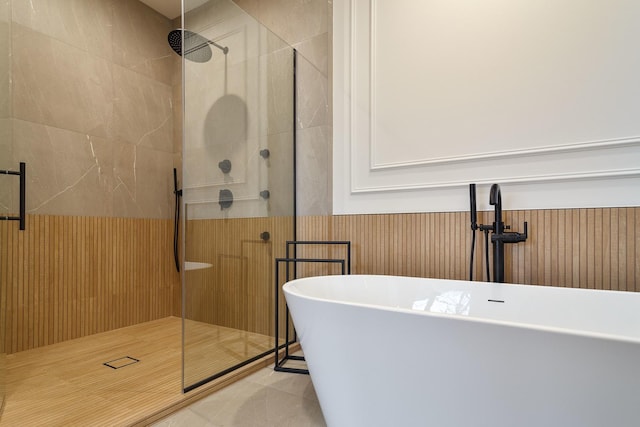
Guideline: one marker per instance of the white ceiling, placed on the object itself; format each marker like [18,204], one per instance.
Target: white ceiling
[172,8]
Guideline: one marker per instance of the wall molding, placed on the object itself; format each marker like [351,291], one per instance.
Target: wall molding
[492,155]
[364,182]
[617,173]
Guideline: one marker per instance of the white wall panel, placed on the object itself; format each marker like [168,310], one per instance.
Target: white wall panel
[539,96]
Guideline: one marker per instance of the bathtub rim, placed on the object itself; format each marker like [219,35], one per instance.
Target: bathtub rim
[290,285]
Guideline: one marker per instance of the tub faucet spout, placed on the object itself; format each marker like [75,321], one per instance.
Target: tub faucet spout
[500,236]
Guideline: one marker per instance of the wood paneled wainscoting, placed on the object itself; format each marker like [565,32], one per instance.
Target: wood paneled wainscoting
[238,290]
[66,277]
[582,248]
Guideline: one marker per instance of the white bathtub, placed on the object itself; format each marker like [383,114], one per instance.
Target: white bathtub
[399,351]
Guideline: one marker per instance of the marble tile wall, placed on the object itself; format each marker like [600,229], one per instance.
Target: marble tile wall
[92,109]
[6,154]
[236,105]
[306,25]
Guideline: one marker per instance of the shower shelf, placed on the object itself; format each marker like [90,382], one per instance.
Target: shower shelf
[191,265]
[293,259]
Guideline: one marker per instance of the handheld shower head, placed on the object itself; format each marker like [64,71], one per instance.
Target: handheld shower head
[472,203]
[196,48]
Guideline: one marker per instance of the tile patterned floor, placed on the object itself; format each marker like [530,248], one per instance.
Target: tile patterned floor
[266,398]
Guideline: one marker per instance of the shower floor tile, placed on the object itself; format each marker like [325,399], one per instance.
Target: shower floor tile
[67,384]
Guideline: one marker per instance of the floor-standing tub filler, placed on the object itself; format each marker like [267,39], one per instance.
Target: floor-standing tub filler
[386,351]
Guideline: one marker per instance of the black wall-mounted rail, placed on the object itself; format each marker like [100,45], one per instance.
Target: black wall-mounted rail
[345,264]
[22,173]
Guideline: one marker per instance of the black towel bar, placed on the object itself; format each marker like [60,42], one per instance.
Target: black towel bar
[22,173]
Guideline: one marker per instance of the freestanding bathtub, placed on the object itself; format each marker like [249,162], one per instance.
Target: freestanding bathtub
[399,351]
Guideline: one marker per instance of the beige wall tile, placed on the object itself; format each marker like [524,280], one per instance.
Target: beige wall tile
[210,14]
[143,112]
[92,92]
[313,101]
[292,20]
[305,24]
[6,147]
[154,183]
[279,74]
[315,51]
[143,182]
[84,24]
[124,175]
[314,179]
[176,102]
[68,173]
[140,40]
[60,85]
[5,60]
[8,184]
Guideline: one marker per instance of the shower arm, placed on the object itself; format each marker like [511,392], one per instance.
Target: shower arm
[224,49]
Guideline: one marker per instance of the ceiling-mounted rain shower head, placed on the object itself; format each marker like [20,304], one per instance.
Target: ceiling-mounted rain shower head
[196,47]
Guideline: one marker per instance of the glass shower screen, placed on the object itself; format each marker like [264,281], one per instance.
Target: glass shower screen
[238,184]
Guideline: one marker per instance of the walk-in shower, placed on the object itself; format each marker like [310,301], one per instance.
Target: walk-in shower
[116,112]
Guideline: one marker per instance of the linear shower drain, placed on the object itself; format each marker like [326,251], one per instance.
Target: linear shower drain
[121,362]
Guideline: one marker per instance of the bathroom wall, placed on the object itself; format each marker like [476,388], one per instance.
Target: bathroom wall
[91,113]
[66,277]
[92,107]
[5,156]
[306,25]
[579,248]
[591,248]
[237,291]
[237,104]
[6,160]
[540,97]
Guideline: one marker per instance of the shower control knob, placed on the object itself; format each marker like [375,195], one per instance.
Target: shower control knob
[225,166]
[225,199]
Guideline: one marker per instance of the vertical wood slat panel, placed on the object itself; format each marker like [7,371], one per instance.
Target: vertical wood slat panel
[61,276]
[589,248]
[238,292]
[96,269]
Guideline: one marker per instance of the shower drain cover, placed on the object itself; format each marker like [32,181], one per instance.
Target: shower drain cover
[121,362]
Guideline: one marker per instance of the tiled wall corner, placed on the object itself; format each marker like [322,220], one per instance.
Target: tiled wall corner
[90,78]
[305,25]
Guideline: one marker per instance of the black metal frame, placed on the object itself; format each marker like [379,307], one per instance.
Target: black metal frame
[295,228]
[279,363]
[22,173]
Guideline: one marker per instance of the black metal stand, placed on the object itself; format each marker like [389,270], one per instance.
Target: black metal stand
[23,184]
[279,363]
